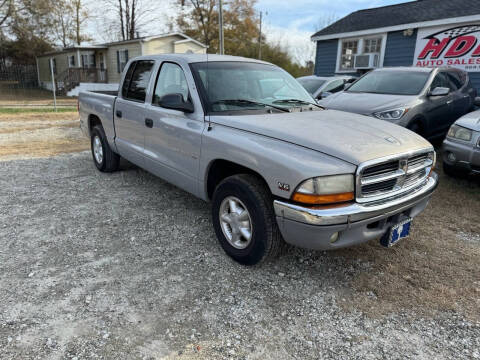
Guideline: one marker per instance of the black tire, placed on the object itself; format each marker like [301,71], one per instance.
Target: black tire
[110,160]
[266,241]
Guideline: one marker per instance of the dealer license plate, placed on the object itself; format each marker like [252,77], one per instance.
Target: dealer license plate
[396,233]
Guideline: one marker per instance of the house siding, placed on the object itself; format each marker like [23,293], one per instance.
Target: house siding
[400,49]
[134,49]
[61,61]
[326,57]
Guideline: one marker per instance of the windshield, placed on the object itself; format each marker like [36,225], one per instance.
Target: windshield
[391,82]
[236,86]
[311,85]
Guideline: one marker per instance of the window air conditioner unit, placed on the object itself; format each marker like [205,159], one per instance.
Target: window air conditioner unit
[366,61]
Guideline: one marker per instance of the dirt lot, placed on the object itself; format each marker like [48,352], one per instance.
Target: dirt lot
[124,266]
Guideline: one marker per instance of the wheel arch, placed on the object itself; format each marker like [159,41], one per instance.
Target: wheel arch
[220,169]
[422,123]
[93,120]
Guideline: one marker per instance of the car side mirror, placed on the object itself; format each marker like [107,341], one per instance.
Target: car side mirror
[323,95]
[439,91]
[176,102]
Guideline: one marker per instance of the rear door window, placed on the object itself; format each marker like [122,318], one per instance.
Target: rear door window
[137,89]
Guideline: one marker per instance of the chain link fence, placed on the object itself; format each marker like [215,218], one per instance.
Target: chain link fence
[19,87]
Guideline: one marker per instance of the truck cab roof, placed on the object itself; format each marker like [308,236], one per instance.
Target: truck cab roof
[196,58]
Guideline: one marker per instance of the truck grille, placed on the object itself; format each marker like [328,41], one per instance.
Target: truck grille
[376,181]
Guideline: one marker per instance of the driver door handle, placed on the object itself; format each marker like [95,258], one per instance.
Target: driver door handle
[118,113]
[149,123]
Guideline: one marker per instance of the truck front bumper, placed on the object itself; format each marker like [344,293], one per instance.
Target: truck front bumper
[351,224]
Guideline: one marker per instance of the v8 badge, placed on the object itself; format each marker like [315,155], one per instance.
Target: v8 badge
[283,186]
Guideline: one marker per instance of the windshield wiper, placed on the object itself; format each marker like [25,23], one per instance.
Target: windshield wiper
[297,101]
[245,101]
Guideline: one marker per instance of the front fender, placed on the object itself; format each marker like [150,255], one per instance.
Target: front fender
[275,160]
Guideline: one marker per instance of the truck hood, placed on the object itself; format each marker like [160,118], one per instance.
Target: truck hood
[470,121]
[350,137]
[365,103]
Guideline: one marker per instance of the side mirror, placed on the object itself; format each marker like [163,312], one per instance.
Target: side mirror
[323,95]
[176,102]
[347,85]
[477,101]
[439,91]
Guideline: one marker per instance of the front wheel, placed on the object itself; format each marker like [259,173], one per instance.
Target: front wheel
[103,156]
[244,220]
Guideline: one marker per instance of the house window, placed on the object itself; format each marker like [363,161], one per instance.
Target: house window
[372,45]
[71,61]
[349,50]
[122,59]
[88,61]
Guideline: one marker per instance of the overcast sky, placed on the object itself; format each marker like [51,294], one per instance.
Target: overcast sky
[292,22]
[289,23]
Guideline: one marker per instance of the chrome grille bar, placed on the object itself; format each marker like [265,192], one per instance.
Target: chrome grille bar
[391,176]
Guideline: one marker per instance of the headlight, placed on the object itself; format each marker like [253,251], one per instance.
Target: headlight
[325,190]
[394,114]
[459,132]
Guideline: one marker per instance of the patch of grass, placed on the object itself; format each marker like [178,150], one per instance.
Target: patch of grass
[35,110]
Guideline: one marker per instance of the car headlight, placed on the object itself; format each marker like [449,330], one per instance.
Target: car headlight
[325,190]
[459,132]
[393,114]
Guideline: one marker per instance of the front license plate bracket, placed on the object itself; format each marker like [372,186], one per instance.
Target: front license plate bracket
[396,233]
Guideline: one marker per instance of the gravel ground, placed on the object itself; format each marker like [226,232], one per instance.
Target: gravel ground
[125,266]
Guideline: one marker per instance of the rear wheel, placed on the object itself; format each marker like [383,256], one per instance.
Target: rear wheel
[103,156]
[244,220]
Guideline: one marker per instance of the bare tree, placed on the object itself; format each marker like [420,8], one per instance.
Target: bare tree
[6,9]
[131,16]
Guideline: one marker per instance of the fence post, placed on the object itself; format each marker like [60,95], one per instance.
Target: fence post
[53,85]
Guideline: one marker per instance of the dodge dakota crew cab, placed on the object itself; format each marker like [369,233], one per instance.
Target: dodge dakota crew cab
[276,166]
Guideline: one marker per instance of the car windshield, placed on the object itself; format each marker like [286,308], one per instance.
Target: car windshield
[237,86]
[311,85]
[391,82]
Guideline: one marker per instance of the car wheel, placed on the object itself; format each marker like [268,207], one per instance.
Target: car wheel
[244,220]
[103,156]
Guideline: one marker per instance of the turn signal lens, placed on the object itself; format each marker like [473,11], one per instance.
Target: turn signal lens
[325,190]
[322,199]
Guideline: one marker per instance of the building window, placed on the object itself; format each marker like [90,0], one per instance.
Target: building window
[372,45]
[71,61]
[88,61]
[122,60]
[349,50]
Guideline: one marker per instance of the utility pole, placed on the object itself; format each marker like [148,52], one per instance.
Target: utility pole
[220,23]
[260,39]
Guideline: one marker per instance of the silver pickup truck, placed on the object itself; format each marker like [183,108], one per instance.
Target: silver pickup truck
[276,166]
